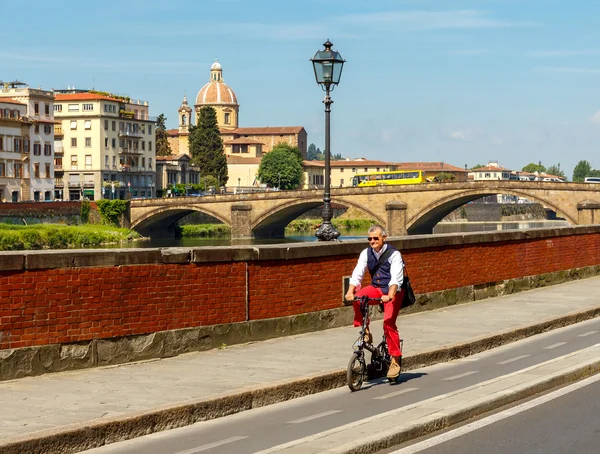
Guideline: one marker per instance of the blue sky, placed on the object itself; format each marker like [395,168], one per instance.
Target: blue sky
[465,81]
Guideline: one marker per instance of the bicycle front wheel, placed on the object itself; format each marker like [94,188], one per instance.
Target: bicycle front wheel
[356,371]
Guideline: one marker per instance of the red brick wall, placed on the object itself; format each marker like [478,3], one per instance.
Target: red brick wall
[435,269]
[77,304]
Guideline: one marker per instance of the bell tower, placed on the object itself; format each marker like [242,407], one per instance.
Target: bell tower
[185,116]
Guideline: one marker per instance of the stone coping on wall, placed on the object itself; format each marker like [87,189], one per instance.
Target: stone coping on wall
[77,258]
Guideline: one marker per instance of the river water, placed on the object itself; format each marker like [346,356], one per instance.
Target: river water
[442,227]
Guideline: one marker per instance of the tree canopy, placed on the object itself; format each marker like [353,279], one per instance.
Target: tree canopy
[554,169]
[281,167]
[206,146]
[162,144]
[582,169]
[532,168]
[315,154]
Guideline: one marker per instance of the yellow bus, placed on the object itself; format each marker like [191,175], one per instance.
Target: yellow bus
[389,178]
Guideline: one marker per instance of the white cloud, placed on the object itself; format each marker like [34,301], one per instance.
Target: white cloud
[460,135]
[595,119]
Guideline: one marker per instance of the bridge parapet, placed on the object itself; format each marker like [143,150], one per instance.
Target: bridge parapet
[413,209]
[589,212]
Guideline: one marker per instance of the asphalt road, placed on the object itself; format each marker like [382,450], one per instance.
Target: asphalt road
[262,428]
[569,423]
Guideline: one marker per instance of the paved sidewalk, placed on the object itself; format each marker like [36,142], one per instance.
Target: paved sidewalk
[74,410]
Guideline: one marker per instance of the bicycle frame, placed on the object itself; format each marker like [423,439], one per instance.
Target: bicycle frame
[364,309]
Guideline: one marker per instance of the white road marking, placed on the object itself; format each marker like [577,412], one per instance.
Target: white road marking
[516,358]
[466,374]
[589,333]
[468,360]
[558,344]
[394,394]
[310,418]
[447,436]
[211,445]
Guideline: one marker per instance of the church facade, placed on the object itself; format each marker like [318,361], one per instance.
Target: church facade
[241,142]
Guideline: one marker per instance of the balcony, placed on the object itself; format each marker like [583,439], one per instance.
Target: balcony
[58,148]
[58,168]
[59,182]
[129,168]
[125,150]
[130,133]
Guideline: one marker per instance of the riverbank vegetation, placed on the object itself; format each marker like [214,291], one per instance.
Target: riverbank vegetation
[55,236]
[202,230]
[303,225]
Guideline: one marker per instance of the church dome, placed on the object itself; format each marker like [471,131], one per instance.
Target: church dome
[216,91]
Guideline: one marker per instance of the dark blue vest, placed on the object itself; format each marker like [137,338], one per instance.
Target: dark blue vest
[382,276]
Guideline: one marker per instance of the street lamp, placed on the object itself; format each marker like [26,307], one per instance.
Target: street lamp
[328,66]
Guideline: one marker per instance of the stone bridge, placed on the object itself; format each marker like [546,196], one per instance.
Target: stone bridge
[410,209]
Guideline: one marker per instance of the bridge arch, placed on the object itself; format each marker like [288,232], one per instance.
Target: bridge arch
[272,222]
[423,221]
[161,221]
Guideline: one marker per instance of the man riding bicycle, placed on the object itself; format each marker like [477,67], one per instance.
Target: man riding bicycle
[385,265]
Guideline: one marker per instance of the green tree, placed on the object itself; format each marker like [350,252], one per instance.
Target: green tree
[314,153]
[582,170]
[555,170]
[290,149]
[532,168]
[281,168]
[477,166]
[206,146]
[444,176]
[162,144]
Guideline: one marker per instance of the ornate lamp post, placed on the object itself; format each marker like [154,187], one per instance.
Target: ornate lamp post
[328,66]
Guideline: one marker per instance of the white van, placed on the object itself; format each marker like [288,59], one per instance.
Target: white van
[592,180]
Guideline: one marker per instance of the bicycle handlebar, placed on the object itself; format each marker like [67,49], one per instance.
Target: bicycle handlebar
[367,298]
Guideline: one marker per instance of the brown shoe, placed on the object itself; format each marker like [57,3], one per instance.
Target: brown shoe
[394,370]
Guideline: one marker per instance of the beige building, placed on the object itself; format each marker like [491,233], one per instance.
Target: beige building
[26,143]
[244,142]
[342,171]
[431,169]
[105,146]
[242,171]
[175,169]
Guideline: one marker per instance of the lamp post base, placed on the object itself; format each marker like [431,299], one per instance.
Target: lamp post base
[327,232]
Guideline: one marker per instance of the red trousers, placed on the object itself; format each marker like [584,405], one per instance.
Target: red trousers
[390,314]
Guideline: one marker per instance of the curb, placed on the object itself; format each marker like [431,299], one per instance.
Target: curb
[391,439]
[82,436]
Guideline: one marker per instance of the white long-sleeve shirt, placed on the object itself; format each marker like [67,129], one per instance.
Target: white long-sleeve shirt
[396,267]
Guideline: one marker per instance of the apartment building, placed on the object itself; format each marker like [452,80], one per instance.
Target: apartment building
[26,143]
[104,146]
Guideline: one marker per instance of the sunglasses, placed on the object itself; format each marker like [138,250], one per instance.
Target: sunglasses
[373,238]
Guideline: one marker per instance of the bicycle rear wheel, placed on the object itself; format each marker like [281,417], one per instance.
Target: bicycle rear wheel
[356,371]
